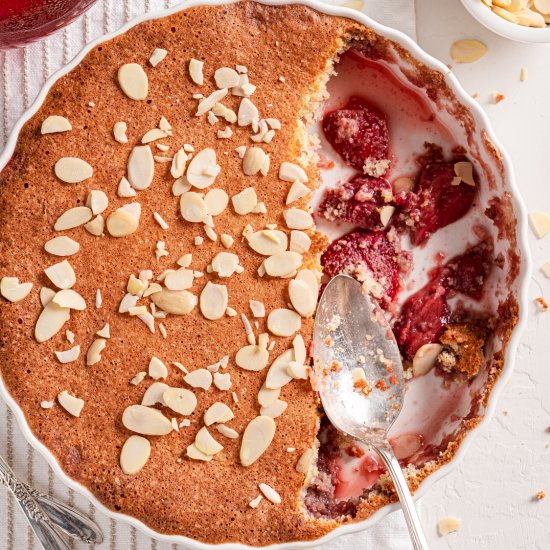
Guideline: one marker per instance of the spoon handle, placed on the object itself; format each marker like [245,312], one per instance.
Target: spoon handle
[407,503]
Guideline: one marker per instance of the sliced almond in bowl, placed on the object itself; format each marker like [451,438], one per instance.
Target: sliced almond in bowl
[180,400]
[134,454]
[257,437]
[145,421]
[133,81]
[73,170]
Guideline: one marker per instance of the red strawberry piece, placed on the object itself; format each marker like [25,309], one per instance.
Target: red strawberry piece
[357,201]
[422,319]
[369,257]
[438,202]
[358,133]
[468,272]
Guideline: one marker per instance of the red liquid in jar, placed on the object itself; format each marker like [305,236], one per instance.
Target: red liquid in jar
[24,21]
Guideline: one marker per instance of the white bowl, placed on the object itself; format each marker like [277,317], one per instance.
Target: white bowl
[482,131]
[505,28]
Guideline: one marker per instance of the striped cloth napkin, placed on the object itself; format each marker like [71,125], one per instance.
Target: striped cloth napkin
[22,74]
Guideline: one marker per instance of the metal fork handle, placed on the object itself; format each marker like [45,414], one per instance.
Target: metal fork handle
[409,510]
[42,526]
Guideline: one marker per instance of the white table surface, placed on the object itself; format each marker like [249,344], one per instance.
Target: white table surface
[492,490]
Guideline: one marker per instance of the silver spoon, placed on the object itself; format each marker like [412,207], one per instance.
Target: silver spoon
[47,514]
[357,328]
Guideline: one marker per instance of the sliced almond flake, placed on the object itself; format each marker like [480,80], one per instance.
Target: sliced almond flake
[200,378]
[93,355]
[248,330]
[301,298]
[69,298]
[270,493]
[277,376]
[154,394]
[98,299]
[203,169]
[207,103]
[542,6]
[141,167]
[245,201]
[283,264]
[133,81]
[222,381]
[162,330]
[299,348]
[194,453]
[235,397]
[271,345]
[224,112]
[73,405]
[546,269]
[210,233]
[257,308]
[145,421]
[96,226]
[70,336]
[267,397]
[198,274]
[127,302]
[248,113]
[212,118]
[226,133]
[296,218]
[226,77]
[178,164]
[175,426]
[181,279]
[51,320]
[274,123]
[185,260]
[274,410]
[55,124]
[297,371]
[138,379]
[226,431]
[124,189]
[260,208]
[218,413]
[255,502]
[72,218]
[283,322]
[206,443]
[226,240]
[241,69]
[540,223]
[241,151]
[252,358]
[159,219]
[153,135]
[62,246]
[297,191]
[230,312]
[180,400]
[225,264]
[305,461]
[195,71]
[268,242]
[134,454]
[121,223]
[213,301]
[288,171]
[253,160]
[46,404]
[157,369]
[162,147]
[299,242]
[257,437]
[73,170]
[448,525]
[425,358]
[61,275]
[157,56]
[14,291]
[386,212]
[179,302]
[135,286]
[68,356]
[216,201]
[530,18]
[465,171]
[467,51]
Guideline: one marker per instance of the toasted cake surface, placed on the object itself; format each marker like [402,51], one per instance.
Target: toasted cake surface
[205,501]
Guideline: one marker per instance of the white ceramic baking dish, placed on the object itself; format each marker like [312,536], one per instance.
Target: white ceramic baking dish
[503,172]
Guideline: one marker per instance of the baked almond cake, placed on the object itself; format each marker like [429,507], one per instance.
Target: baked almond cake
[164,243]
